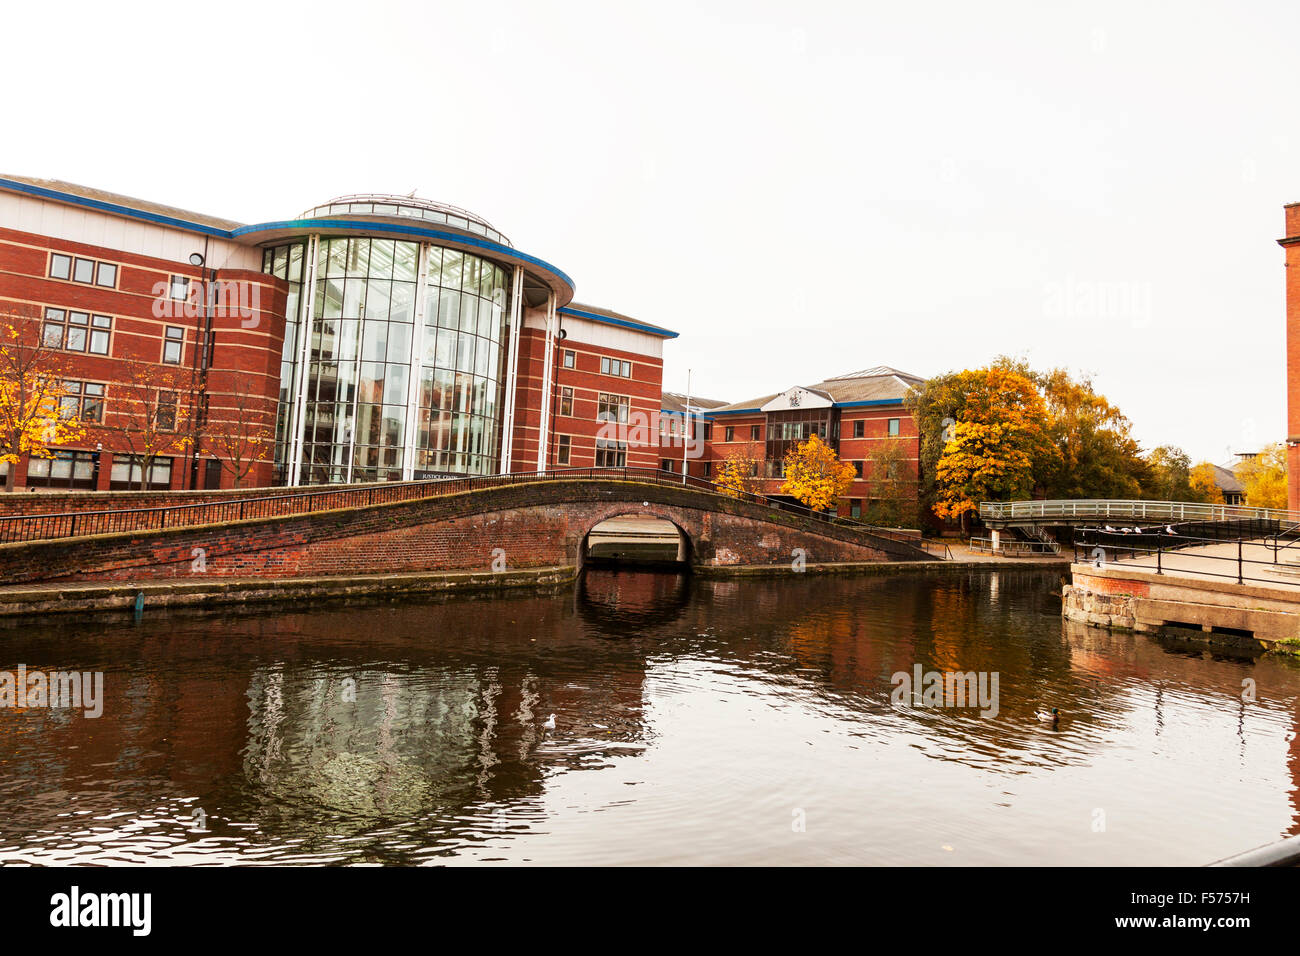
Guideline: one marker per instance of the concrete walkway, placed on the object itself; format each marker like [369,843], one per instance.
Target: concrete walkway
[1218,562]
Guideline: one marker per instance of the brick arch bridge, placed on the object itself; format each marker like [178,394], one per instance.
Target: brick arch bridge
[505,527]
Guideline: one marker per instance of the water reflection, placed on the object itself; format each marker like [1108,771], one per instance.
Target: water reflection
[692,718]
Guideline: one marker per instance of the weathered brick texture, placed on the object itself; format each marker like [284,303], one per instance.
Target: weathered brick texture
[536,525]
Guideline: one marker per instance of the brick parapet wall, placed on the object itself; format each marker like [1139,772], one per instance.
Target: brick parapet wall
[534,525]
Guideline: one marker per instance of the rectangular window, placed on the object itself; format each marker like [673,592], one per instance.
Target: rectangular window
[67,469]
[708,469]
[858,427]
[166,417]
[82,400]
[173,345]
[180,288]
[76,331]
[708,431]
[855,508]
[857,467]
[566,401]
[128,472]
[83,270]
[106,275]
[730,433]
[755,432]
[627,369]
[101,326]
[893,428]
[613,408]
[610,454]
[604,365]
[562,449]
[570,360]
[60,266]
[665,464]
[609,366]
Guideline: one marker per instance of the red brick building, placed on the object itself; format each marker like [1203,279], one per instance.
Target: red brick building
[1291,243]
[372,338]
[675,449]
[861,415]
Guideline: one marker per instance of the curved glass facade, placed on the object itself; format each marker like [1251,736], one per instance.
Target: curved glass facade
[404,378]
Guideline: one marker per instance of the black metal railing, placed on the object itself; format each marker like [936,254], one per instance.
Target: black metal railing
[70,524]
[1255,547]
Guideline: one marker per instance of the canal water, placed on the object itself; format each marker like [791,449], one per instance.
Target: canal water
[696,721]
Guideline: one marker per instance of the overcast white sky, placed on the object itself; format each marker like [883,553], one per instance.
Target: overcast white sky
[801,190]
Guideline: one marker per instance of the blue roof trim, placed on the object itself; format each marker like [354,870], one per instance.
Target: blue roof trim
[101,206]
[325,224]
[874,401]
[624,323]
[366,225]
[755,411]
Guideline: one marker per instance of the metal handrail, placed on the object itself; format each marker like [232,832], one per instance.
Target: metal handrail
[1012,547]
[53,525]
[1120,542]
[1128,508]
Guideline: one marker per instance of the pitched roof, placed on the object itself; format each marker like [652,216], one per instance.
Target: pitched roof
[611,317]
[1226,480]
[129,202]
[878,384]
[676,402]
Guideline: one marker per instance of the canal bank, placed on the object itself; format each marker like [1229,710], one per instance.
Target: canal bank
[92,596]
[1122,596]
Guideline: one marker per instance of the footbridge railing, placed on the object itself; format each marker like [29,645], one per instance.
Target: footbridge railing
[1072,511]
[43,526]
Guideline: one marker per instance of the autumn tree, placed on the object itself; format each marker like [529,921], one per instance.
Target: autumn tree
[240,439]
[32,415]
[1204,487]
[892,486]
[999,439]
[152,408]
[1170,473]
[815,476]
[1097,454]
[1264,478]
[741,471]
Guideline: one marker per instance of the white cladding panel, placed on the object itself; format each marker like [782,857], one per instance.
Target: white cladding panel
[599,334]
[48,218]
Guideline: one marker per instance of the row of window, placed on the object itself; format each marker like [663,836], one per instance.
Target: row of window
[73,331]
[76,469]
[86,271]
[608,366]
[796,430]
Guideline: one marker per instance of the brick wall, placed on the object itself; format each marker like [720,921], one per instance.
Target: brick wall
[535,525]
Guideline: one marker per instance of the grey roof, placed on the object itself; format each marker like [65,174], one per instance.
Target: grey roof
[676,402]
[878,384]
[1226,480]
[130,202]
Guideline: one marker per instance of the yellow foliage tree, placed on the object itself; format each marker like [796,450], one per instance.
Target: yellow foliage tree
[1264,478]
[1000,438]
[741,472]
[32,421]
[1204,487]
[815,475]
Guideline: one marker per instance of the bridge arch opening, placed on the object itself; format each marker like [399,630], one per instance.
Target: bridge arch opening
[638,540]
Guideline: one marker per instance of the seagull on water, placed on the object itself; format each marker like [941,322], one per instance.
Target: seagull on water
[549,723]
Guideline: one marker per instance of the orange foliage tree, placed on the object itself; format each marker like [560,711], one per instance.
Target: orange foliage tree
[32,420]
[1000,438]
[815,475]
